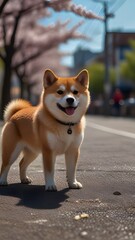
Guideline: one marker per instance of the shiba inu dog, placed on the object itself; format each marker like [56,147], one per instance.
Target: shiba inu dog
[54,127]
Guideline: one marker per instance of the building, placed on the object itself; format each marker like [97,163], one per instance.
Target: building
[82,57]
[119,43]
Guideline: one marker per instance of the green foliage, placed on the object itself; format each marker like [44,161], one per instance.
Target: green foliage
[128,66]
[97,76]
[96,72]
[1,64]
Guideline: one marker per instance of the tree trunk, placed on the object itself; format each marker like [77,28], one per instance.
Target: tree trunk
[29,93]
[6,96]
[22,89]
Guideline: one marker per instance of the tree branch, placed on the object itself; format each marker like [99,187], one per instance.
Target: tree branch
[4,31]
[12,40]
[36,6]
[3,5]
[35,55]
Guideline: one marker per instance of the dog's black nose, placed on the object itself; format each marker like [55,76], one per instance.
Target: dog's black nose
[70,100]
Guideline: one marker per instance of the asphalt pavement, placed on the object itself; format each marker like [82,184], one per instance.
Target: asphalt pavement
[103,209]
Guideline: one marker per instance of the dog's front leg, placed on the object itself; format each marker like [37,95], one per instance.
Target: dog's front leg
[48,164]
[71,157]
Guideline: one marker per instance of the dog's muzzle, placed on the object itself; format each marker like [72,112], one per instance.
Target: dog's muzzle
[69,107]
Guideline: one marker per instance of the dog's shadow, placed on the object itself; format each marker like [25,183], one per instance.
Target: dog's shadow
[34,196]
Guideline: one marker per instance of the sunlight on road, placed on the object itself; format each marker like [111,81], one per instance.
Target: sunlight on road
[111,130]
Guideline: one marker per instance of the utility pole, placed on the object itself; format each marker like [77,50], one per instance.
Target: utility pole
[107,86]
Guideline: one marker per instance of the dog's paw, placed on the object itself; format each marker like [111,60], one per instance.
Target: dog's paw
[26,180]
[50,188]
[75,185]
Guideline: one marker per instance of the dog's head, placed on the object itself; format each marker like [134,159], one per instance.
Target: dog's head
[66,99]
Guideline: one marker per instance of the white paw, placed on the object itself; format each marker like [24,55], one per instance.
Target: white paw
[75,185]
[26,180]
[50,188]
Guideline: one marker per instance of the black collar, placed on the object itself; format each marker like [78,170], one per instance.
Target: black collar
[69,124]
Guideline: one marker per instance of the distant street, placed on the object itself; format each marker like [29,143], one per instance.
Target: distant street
[103,210]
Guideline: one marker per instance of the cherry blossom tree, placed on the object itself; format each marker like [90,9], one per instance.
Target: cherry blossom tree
[33,52]
[30,75]
[67,5]
[19,30]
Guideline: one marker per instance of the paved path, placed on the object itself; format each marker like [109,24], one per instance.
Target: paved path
[106,167]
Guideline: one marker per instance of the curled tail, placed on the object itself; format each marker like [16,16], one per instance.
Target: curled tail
[13,107]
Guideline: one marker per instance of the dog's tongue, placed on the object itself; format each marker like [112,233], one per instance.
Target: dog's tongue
[69,110]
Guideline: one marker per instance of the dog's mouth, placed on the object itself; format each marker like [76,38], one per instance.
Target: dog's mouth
[68,110]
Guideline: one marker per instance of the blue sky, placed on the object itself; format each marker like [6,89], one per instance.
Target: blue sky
[124,20]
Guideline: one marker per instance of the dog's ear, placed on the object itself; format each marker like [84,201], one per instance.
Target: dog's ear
[49,78]
[83,78]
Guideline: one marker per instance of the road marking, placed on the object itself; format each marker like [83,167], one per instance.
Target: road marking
[111,130]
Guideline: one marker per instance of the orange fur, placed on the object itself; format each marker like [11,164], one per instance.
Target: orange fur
[39,129]
[14,107]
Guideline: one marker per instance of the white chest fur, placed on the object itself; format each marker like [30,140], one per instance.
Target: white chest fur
[61,142]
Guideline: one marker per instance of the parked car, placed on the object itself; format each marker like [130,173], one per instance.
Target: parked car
[128,107]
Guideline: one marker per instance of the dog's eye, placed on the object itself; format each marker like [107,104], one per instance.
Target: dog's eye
[60,92]
[75,92]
